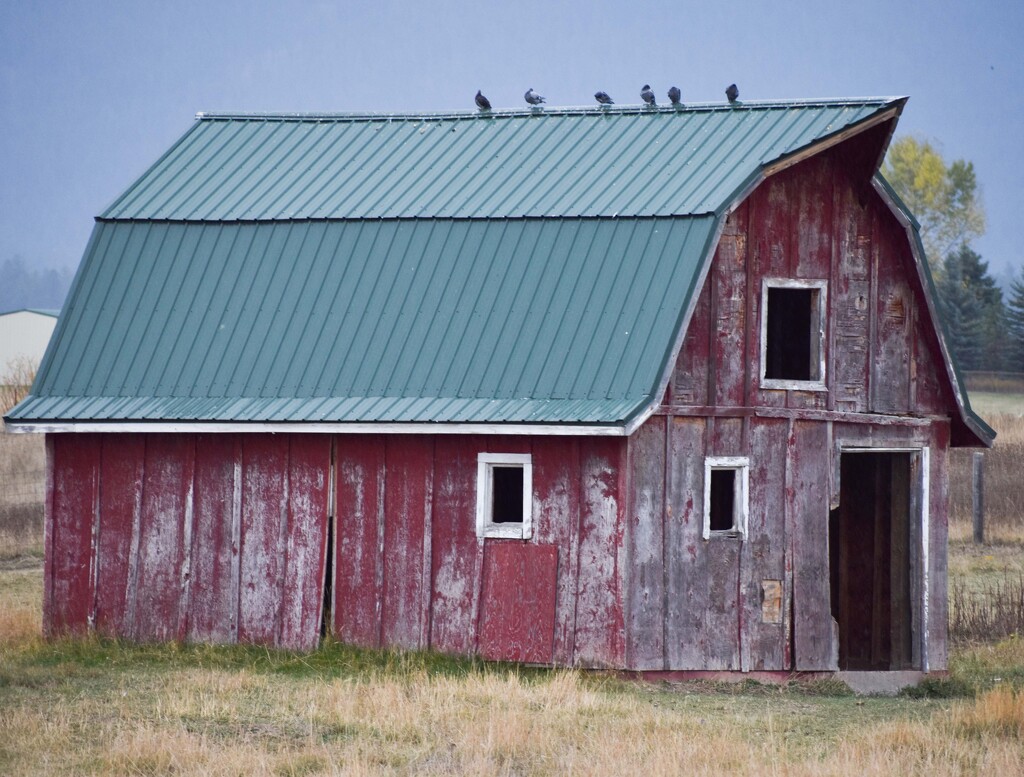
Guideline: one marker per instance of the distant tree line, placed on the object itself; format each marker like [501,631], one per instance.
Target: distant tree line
[24,287]
[985,331]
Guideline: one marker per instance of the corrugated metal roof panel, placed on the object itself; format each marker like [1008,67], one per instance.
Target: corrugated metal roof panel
[566,163]
[560,320]
[324,410]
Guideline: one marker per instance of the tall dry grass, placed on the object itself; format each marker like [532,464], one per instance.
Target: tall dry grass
[987,612]
[22,491]
[22,470]
[15,381]
[201,721]
[1004,484]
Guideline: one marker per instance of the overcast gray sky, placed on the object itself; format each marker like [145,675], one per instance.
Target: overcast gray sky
[91,93]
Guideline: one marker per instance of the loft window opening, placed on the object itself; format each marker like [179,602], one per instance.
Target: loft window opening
[506,494]
[504,502]
[725,496]
[792,334]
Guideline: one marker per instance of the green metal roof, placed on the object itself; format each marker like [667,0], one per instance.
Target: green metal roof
[550,163]
[530,267]
[521,320]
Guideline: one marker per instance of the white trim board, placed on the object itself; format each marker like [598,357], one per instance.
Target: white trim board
[46,427]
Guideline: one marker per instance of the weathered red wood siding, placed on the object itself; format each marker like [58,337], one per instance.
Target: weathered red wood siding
[222,538]
[172,536]
[697,604]
[411,572]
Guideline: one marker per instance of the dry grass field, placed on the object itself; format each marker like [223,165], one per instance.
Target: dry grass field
[109,708]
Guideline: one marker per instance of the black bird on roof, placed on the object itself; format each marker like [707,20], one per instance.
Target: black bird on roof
[647,95]
[603,98]
[732,92]
[674,95]
[532,97]
[482,102]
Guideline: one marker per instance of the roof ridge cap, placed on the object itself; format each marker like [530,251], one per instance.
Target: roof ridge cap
[579,110]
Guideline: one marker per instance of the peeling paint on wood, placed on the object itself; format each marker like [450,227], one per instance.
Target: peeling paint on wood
[518,607]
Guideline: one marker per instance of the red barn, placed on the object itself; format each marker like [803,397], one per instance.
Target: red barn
[654,389]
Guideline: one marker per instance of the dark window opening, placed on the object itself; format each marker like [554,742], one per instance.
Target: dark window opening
[506,494]
[723,498]
[791,339]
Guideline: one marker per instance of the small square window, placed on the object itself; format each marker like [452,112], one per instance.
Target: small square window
[725,496]
[792,334]
[504,495]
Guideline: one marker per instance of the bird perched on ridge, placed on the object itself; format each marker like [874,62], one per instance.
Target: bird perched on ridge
[647,95]
[603,98]
[532,97]
[482,102]
[674,95]
[732,92]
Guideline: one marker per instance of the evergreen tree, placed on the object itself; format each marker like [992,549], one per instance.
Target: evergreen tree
[1015,323]
[994,343]
[962,312]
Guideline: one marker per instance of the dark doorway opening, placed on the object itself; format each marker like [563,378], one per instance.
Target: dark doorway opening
[870,560]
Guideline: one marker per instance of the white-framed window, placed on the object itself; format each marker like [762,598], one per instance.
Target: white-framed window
[725,496]
[504,495]
[793,334]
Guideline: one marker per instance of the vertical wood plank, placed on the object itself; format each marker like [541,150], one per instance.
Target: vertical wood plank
[408,494]
[187,529]
[302,595]
[121,483]
[851,291]
[69,546]
[264,467]
[645,591]
[893,313]
[938,537]
[359,507]
[168,478]
[691,373]
[686,552]
[599,617]
[808,502]
[728,273]
[556,478]
[454,545]
[213,605]
[764,641]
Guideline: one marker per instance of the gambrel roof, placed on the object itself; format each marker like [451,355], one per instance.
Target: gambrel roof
[527,268]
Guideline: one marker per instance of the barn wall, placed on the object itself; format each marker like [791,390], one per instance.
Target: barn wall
[223,538]
[812,221]
[217,538]
[700,604]
[411,572]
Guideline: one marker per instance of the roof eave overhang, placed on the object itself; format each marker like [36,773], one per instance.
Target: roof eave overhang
[307,427]
[888,114]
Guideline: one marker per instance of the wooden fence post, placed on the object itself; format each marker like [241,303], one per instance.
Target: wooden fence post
[978,497]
